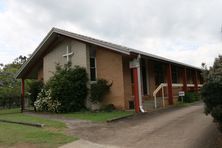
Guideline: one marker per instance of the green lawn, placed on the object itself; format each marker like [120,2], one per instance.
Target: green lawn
[52,135]
[98,116]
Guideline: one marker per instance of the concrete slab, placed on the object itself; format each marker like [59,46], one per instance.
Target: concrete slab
[86,144]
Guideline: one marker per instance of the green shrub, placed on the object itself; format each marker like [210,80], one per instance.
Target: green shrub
[216,113]
[34,89]
[9,97]
[99,90]
[212,97]
[191,97]
[69,85]
[211,91]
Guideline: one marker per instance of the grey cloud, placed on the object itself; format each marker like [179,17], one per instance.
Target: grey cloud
[157,26]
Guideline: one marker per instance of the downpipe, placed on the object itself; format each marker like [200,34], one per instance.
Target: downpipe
[139,85]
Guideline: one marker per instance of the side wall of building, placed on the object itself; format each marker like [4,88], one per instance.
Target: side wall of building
[109,66]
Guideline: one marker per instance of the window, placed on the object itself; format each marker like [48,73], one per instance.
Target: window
[92,63]
[159,74]
[175,75]
[93,69]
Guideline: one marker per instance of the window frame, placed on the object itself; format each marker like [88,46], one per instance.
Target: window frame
[92,55]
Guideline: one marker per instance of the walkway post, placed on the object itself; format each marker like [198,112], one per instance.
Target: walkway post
[185,80]
[136,90]
[169,84]
[22,95]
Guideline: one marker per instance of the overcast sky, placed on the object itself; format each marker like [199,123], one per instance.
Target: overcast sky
[188,31]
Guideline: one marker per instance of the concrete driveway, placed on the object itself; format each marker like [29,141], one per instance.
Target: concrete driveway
[186,127]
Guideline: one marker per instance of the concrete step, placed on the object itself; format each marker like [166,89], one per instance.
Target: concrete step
[149,104]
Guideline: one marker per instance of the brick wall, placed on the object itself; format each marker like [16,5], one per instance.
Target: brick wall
[109,66]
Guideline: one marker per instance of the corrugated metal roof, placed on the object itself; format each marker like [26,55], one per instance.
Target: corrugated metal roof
[112,46]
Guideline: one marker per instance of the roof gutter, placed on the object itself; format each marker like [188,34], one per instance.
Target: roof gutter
[155,57]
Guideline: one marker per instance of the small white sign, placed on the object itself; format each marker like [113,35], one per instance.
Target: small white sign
[134,64]
[181,93]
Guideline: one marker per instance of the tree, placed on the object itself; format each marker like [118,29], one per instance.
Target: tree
[212,90]
[9,86]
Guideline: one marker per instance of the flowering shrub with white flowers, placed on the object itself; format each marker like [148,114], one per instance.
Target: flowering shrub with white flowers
[45,102]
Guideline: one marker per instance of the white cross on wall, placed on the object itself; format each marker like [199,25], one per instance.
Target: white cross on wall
[67,54]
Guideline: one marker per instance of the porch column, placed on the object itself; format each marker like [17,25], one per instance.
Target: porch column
[22,95]
[169,84]
[195,81]
[185,80]
[136,89]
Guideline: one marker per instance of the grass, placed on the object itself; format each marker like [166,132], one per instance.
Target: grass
[31,119]
[9,111]
[98,116]
[52,135]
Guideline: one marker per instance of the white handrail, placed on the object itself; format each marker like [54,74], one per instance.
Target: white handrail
[162,85]
[177,85]
[159,87]
[156,91]
[200,85]
[190,85]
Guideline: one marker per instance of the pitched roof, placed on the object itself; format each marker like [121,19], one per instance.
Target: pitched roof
[118,48]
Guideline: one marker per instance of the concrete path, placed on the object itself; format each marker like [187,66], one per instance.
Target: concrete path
[86,144]
[186,127]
